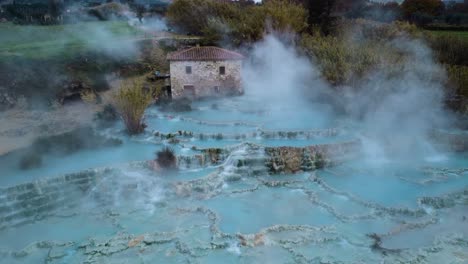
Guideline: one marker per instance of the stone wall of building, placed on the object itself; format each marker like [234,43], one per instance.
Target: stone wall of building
[205,77]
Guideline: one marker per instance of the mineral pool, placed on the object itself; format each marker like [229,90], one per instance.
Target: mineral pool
[241,194]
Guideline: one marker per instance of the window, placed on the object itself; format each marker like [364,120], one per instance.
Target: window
[188,69]
[222,70]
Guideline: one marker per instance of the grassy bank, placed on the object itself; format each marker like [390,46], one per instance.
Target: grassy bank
[450,33]
[36,41]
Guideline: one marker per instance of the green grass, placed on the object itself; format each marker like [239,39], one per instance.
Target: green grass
[62,40]
[460,34]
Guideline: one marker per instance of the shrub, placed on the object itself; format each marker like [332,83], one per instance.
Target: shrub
[214,32]
[320,14]
[131,102]
[339,60]
[166,158]
[189,15]
[216,20]
[248,26]
[376,31]
[457,98]
[449,49]
[458,75]
[319,161]
[360,48]
[285,15]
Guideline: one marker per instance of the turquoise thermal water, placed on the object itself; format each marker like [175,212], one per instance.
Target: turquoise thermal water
[197,215]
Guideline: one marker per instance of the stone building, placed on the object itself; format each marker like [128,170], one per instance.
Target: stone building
[205,71]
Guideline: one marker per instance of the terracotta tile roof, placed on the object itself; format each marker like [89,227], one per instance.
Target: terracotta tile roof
[204,53]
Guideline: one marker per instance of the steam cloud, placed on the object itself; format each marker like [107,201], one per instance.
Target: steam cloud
[400,110]
[280,76]
[394,110]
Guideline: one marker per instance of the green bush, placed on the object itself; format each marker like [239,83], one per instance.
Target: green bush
[214,32]
[248,26]
[193,15]
[286,15]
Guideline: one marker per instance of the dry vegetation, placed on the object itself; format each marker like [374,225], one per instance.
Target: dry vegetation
[131,101]
[361,47]
[357,49]
[239,24]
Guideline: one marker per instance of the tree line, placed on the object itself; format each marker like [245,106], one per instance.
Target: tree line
[243,19]
[68,11]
